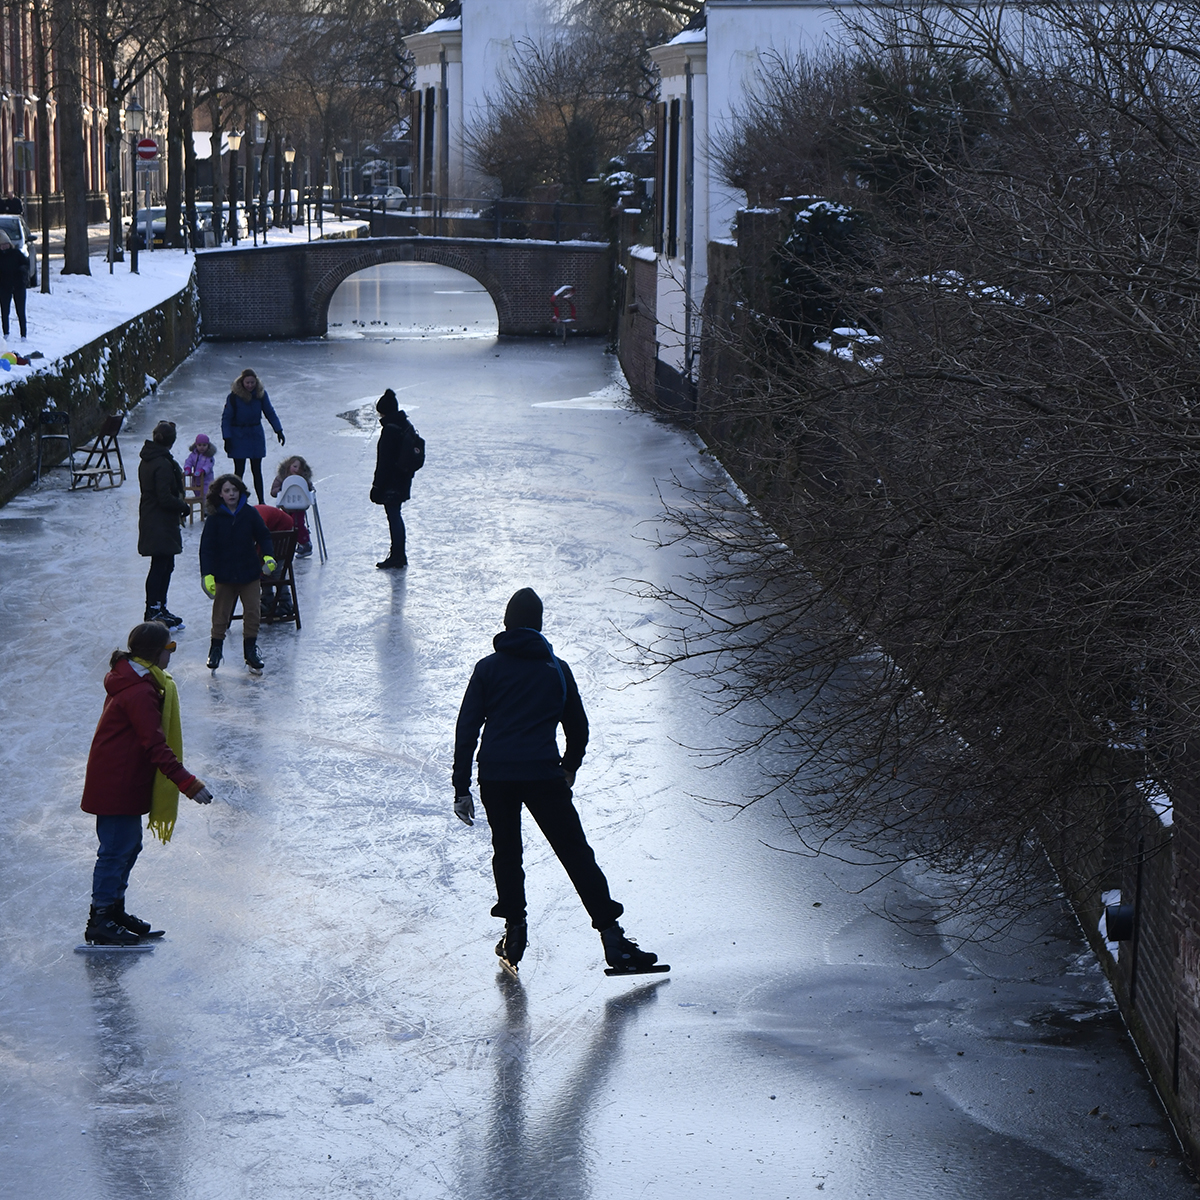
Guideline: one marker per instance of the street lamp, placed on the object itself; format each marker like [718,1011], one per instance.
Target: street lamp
[134,116]
[235,144]
[289,157]
[338,157]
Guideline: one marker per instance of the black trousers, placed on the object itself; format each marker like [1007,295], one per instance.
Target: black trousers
[395,521]
[15,296]
[549,803]
[158,579]
[239,469]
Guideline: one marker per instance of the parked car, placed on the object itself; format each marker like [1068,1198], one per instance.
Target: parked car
[158,223]
[19,235]
[392,197]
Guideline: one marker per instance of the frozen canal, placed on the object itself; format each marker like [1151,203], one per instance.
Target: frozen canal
[325,1017]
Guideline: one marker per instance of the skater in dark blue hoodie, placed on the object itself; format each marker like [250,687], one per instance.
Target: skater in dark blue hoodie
[519,696]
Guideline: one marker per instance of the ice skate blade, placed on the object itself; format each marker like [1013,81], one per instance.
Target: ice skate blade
[509,968]
[656,969]
[139,948]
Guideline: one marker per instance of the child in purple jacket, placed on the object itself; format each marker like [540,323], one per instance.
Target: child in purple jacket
[198,465]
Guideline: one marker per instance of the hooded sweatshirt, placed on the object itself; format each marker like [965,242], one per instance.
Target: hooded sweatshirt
[128,747]
[519,695]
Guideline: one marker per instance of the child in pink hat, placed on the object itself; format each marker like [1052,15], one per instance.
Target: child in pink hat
[198,466]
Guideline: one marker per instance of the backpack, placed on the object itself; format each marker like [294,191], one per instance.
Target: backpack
[416,450]
[294,495]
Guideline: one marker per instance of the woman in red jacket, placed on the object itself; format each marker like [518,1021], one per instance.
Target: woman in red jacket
[134,759]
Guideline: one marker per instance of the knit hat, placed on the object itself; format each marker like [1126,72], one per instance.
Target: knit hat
[387,403]
[524,610]
[202,439]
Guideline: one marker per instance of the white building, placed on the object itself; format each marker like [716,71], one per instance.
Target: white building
[708,77]
[461,62]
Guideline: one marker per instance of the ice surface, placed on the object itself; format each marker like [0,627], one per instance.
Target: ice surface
[326,1018]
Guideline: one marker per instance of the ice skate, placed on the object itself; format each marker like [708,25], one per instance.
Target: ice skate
[253,659]
[624,956]
[104,934]
[214,655]
[134,925]
[510,949]
[158,612]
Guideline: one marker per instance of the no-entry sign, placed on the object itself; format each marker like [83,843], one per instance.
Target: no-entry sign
[147,149]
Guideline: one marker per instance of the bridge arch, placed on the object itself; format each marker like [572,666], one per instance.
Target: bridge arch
[283,291]
[444,256]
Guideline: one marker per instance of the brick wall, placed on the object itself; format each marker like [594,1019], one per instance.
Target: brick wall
[284,291]
[637,326]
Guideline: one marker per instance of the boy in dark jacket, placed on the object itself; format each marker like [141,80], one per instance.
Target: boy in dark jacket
[398,456]
[520,695]
[235,550]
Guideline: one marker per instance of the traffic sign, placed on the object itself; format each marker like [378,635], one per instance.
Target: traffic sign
[147,149]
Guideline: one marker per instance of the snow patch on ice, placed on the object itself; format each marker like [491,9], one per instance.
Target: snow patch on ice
[614,395]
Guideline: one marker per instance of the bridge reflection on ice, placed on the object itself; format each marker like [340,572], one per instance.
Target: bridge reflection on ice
[411,300]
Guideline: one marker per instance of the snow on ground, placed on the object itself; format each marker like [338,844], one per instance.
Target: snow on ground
[82,308]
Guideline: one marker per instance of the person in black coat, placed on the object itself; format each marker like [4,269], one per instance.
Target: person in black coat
[399,455]
[519,696]
[160,517]
[235,551]
[14,278]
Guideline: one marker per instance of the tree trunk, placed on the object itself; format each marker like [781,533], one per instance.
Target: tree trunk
[173,86]
[71,149]
[43,136]
[189,154]
[218,185]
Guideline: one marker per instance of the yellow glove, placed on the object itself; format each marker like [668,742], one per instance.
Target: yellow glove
[269,565]
[210,585]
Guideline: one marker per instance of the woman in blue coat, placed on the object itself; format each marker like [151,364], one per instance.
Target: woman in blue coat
[241,426]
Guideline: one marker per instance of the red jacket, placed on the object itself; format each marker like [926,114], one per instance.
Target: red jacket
[128,747]
[275,519]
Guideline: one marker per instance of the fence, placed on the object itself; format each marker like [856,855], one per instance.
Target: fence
[457,216]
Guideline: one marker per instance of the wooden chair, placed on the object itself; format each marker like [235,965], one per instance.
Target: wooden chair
[195,503]
[98,465]
[284,543]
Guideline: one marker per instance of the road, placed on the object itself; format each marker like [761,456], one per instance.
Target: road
[325,1016]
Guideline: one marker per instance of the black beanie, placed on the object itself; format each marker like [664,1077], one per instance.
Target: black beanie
[524,610]
[387,403]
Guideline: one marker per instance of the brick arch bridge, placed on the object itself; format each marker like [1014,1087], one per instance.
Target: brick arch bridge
[284,291]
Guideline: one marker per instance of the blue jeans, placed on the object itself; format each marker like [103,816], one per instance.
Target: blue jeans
[120,844]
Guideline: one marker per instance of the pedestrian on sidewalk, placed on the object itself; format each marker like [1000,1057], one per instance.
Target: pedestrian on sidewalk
[241,426]
[161,512]
[399,455]
[235,550]
[134,769]
[296,464]
[14,278]
[519,696]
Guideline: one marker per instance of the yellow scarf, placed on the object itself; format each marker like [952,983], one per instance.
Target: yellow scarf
[164,800]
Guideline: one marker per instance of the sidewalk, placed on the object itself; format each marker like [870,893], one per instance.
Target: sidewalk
[81,308]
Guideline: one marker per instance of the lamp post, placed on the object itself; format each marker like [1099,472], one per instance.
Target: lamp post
[338,157]
[289,157]
[134,115]
[235,144]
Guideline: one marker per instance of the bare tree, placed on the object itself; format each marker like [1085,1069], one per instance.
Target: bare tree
[962,399]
